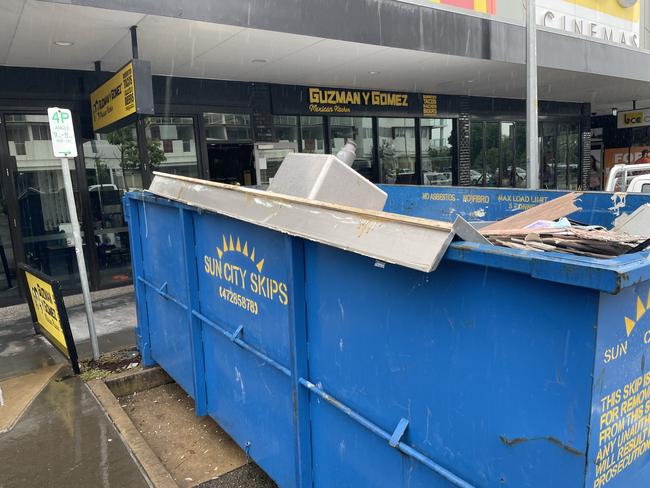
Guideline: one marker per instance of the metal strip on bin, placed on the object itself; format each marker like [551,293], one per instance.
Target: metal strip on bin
[235,338]
[387,436]
[400,446]
[161,292]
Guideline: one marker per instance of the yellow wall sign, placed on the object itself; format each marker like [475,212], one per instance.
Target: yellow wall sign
[115,99]
[49,314]
[332,100]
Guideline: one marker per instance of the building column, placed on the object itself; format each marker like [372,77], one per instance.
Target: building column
[464,178]
[585,139]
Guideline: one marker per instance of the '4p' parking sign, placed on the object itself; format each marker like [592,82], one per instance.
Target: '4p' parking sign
[62,130]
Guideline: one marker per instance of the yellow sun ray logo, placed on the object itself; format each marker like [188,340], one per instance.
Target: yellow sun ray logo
[230,245]
[641,309]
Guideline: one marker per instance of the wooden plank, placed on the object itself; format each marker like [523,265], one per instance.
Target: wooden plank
[551,210]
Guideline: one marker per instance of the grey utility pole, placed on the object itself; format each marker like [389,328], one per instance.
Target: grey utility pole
[532,144]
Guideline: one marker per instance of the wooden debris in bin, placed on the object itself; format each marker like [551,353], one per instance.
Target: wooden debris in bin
[592,241]
[551,210]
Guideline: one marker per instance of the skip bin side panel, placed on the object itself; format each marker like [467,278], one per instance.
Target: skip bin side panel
[163,276]
[244,293]
[132,213]
[491,369]
[619,441]
[487,204]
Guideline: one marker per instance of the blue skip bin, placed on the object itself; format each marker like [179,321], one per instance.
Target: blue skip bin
[331,368]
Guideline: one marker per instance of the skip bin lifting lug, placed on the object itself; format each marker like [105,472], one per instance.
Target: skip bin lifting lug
[398,432]
[237,333]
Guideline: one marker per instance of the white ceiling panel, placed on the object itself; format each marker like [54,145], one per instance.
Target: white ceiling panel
[92,31]
[241,51]
[10,12]
[323,56]
[171,43]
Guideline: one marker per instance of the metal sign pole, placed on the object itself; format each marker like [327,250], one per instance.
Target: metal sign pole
[81,262]
[64,146]
[532,144]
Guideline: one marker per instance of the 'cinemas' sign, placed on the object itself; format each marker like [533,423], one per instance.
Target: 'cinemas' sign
[615,21]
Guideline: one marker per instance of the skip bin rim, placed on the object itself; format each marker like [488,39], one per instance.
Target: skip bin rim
[605,275]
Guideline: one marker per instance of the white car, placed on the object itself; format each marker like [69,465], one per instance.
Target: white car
[630,178]
[103,187]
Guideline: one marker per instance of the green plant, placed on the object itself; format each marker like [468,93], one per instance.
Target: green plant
[126,145]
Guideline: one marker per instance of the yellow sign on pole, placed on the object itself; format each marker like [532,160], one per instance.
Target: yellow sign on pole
[114,99]
[48,312]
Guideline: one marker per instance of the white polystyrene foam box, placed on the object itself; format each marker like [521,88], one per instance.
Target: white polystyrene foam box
[324,177]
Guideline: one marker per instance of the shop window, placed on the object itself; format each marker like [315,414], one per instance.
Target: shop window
[112,168]
[560,155]
[44,220]
[17,135]
[498,154]
[154,131]
[491,155]
[519,177]
[436,151]
[312,134]
[397,150]
[40,132]
[476,170]
[221,127]
[286,128]
[507,155]
[358,129]
[174,150]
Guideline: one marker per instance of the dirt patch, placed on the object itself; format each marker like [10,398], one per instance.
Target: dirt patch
[107,364]
[248,476]
[193,449]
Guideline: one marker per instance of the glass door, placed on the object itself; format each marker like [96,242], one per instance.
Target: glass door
[43,235]
[9,288]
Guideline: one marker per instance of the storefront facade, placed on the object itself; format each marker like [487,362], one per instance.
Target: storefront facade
[237,133]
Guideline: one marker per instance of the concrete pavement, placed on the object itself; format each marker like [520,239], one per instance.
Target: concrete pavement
[64,438]
[115,320]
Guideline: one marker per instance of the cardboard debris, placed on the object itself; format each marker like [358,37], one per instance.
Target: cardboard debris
[580,240]
[526,231]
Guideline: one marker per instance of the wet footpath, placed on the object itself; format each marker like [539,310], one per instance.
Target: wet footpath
[62,437]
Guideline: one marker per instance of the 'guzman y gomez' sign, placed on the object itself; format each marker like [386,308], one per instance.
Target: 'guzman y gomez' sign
[346,101]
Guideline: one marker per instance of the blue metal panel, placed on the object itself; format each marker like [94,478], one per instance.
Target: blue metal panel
[486,204]
[132,212]
[196,326]
[244,290]
[299,361]
[491,369]
[163,272]
[619,440]
[608,275]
